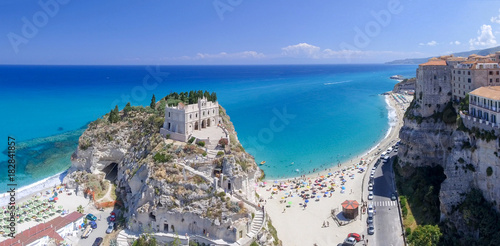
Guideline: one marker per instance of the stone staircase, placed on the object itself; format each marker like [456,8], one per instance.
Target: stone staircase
[257,223]
[123,238]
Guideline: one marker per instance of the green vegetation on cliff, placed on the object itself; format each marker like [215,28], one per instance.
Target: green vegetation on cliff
[479,223]
[189,97]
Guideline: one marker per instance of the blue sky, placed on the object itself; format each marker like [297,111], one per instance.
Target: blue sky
[241,31]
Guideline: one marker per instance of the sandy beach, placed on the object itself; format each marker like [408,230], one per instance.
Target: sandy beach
[67,201]
[299,226]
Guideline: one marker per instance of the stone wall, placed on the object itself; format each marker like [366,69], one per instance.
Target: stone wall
[433,89]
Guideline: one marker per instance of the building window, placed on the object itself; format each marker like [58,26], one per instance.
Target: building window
[168,114]
[459,72]
[468,72]
[190,116]
[491,72]
[468,80]
[498,72]
[491,80]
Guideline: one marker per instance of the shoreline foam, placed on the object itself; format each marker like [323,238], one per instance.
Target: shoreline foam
[392,121]
[34,188]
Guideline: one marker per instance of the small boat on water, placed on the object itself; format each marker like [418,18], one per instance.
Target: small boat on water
[397,77]
[262,162]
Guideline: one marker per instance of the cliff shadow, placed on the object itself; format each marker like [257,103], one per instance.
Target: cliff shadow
[420,186]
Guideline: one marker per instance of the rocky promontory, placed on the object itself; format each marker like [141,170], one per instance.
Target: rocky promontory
[167,187]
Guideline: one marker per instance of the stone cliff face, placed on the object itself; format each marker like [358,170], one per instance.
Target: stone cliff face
[166,185]
[433,136]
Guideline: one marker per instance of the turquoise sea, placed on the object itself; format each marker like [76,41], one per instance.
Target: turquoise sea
[313,116]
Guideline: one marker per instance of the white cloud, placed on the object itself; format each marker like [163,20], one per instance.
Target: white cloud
[305,50]
[224,55]
[485,38]
[302,50]
[495,19]
[431,43]
[455,43]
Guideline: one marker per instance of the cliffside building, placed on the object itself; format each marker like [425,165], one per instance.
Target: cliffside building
[472,74]
[433,80]
[182,121]
[484,104]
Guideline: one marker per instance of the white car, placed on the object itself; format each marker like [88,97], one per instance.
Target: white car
[370,210]
[111,227]
[370,195]
[370,187]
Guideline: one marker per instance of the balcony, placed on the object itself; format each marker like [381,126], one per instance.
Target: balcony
[485,107]
[470,121]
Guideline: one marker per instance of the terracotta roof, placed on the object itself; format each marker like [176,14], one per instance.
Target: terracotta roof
[350,204]
[434,63]
[41,230]
[73,216]
[469,62]
[491,92]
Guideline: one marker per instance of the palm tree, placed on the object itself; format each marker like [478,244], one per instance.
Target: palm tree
[80,209]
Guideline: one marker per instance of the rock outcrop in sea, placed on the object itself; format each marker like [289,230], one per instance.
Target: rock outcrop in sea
[166,187]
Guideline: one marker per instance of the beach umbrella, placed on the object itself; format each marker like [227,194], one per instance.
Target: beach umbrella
[343,187]
[56,198]
[289,203]
[275,182]
[306,200]
[318,197]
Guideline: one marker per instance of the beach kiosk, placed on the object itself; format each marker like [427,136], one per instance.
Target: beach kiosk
[350,208]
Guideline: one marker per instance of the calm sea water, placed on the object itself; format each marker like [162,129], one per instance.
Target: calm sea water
[311,115]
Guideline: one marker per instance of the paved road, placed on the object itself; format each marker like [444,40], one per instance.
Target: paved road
[100,231]
[386,221]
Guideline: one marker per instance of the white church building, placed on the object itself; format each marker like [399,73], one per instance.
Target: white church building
[182,121]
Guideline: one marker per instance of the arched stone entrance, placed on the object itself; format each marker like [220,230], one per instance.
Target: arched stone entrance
[208,122]
[204,124]
[111,172]
[196,125]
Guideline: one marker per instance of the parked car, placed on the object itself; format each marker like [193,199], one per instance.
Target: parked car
[87,232]
[350,241]
[112,217]
[91,217]
[111,227]
[356,236]
[93,225]
[97,241]
[371,229]
[393,196]
[369,220]
[370,195]
[370,209]
[370,186]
